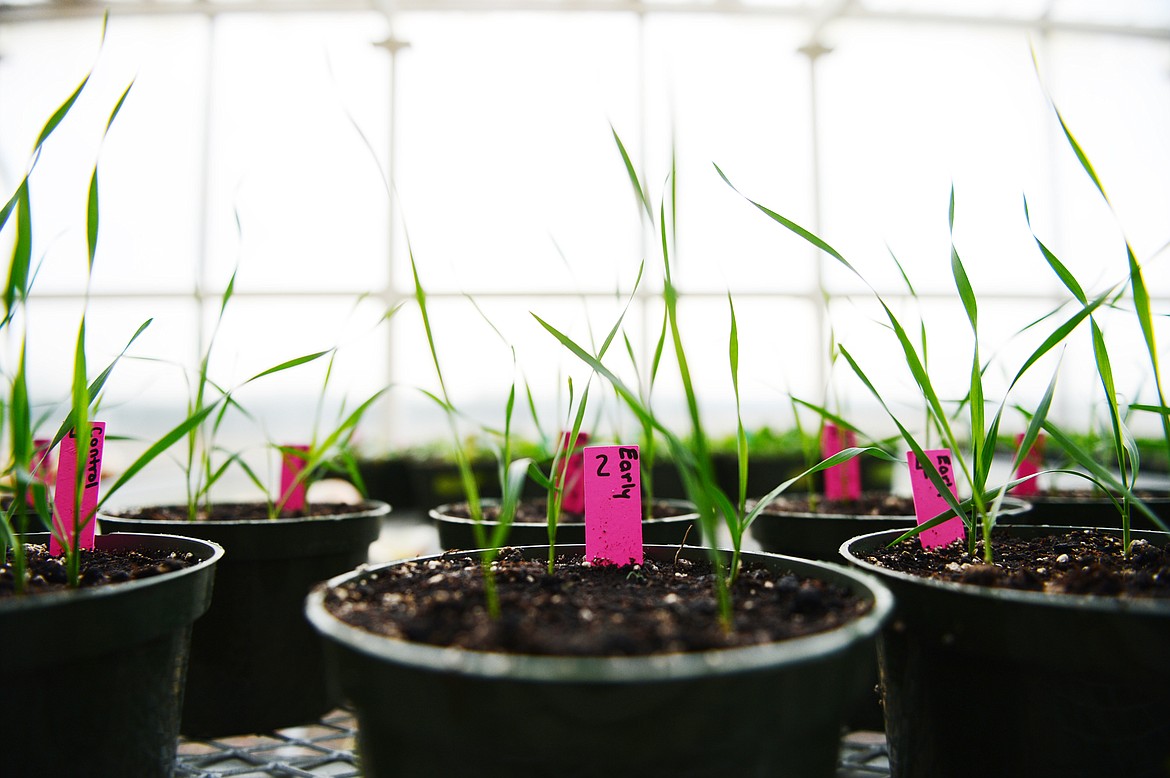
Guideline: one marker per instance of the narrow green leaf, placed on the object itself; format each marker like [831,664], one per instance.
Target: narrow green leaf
[633,175]
[290,364]
[793,226]
[1081,157]
[1058,267]
[61,112]
[161,445]
[95,388]
[832,461]
[91,221]
[18,271]
[928,466]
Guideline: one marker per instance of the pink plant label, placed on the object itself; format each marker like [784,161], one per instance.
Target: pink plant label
[41,464]
[77,531]
[613,505]
[929,502]
[843,481]
[1030,465]
[292,494]
[572,464]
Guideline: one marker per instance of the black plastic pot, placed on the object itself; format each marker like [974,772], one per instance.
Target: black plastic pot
[980,681]
[34,522]
[93,678]
[255,664]
[770,710]
[820,535]
[458,532]
[768,471]
[1059,510]
[388,480]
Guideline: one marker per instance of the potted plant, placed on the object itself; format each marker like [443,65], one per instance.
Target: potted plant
[769,708]
[94,639]
[473,522]
[809,525]
[1026,616]
[240,678]
[1070,499]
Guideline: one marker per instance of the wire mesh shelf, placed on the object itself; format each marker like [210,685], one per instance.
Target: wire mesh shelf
[327,749]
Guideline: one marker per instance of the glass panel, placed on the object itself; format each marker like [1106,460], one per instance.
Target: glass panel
[288,159]
[505,152]
[1115,96]
[150,170]
[733,91]
[908,114]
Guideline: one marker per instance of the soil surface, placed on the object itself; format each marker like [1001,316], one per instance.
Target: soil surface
[583,610]
[243,511]
[870,504]
[536,512]
[1080,562]
[47,573]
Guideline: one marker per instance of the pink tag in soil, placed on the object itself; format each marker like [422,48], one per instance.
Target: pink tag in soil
[573,465]
[64,499]
[41,466]
[843,481]
[613,505]
[928,503]
[291,466]
[1030,465]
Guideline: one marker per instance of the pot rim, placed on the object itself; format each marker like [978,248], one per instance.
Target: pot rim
[375,508]
[18,603]
[438,514]
[1100,603]
[612,669]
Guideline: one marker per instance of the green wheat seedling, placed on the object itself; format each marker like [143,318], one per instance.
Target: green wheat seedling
[563,450]
[84,395]
[693,455]
[558,474]
[645,380]
[810,442]
[516,473]
[975,466]
[1124,447]
[552,482]
[330,448]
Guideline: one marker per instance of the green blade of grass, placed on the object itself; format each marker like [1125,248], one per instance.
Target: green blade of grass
[512,491]
[635,181]
[792,226]
[295,362]
[928,466]
[838,458]
[741,443]
[18,272]
[161,445]
[1058,267]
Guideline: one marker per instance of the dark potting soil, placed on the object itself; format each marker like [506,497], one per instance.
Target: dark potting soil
[243,511]
[583,610]
[1079,562]
[536,512]
[870,504]
[47,573]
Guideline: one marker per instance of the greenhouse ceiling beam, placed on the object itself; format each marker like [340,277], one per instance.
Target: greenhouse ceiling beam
[812,14]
